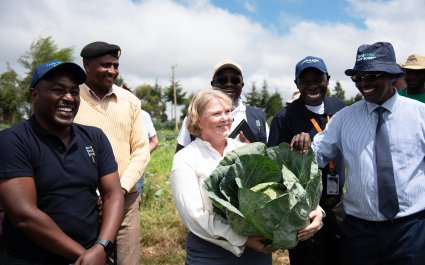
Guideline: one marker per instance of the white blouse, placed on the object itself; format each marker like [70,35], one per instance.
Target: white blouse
[191,166]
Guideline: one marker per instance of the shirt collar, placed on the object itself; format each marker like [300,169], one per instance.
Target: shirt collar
[241,107]
[42,132]
[388,105]
[111,91]
[320,109]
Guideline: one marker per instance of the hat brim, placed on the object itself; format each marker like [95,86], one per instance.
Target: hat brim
[394,69]
[321,69]
[413,67]
[72,68]
[228,66]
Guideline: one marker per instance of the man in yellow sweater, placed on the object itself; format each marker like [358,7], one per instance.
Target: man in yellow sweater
[117,112]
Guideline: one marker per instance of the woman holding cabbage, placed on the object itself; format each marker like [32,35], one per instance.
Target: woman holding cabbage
[210,239]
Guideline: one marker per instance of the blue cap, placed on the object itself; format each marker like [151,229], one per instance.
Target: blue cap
[377,57]
[56,65]
[310,61]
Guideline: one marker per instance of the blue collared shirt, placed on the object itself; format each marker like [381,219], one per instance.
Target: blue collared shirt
[352,130]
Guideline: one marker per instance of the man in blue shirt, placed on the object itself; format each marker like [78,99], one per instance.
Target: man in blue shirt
[310,113]
[374,232]
[50,169]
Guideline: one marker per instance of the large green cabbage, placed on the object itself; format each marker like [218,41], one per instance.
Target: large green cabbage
[266,191]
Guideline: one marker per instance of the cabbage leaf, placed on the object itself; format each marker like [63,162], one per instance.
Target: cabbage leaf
[266,191]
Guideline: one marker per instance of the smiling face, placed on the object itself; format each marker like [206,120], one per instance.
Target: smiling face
[101,72]
[230,82]
[312,84]
[376,87]
[56,100]
[215,121]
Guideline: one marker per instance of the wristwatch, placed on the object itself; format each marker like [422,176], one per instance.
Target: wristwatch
[107,245]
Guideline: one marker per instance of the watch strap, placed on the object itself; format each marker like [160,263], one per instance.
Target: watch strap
[107,245]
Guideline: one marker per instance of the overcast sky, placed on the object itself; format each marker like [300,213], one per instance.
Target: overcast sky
[267,37]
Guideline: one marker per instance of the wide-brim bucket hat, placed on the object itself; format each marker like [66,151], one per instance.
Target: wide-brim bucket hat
[377,57]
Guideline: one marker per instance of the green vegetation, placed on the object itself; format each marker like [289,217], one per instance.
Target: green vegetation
[266,191]
[163,235]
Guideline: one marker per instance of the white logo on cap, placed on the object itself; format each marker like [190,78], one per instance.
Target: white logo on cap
[310,61]
[52,64]
[366,56]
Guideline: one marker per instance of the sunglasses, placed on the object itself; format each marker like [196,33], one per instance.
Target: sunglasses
[223,80]
[367,77]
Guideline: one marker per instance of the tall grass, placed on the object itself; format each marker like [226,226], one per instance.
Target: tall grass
[163,235]
[162,231]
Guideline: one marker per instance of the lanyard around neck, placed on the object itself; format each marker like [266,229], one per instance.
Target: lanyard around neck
[319,130]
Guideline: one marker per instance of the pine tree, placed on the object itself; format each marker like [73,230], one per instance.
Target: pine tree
[339,91]
[265,96]
[274,104]
[253,98]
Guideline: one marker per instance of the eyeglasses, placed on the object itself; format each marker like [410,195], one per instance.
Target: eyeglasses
[367,77]
[223,80]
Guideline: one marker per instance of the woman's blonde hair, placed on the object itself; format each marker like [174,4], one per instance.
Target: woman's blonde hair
[197,106]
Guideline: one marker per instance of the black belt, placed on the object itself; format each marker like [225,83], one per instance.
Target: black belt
[400,220]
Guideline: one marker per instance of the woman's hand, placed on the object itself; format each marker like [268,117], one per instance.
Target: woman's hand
[308,232]
[257,244]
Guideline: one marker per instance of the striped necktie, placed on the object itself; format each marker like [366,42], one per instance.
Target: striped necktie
[388,201]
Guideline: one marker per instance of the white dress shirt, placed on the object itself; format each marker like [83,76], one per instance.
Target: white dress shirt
[352,130]
[191,166]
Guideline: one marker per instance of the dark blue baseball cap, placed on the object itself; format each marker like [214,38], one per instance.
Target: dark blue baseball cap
[310,61]
[377,57]
[43,69]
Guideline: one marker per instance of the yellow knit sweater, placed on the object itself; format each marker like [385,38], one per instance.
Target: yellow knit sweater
[118,115]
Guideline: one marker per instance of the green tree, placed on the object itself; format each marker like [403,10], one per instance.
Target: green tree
[151,100]
[253,98]
[186,106]
[356,98]
[339,91]
[40,51]
[274,104]
[11,98]
[180,95]
[265,96]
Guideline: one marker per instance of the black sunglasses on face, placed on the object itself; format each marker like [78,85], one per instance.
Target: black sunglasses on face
[223,80]
[367,77]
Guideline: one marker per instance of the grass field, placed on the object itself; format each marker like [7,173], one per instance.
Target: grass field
[163,234]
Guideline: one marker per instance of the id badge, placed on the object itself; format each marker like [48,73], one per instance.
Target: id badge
[332,182]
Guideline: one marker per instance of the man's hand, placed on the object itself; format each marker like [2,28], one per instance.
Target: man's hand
[301,142]
[95,255]
[242,138]
[257,244]
[308,232]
